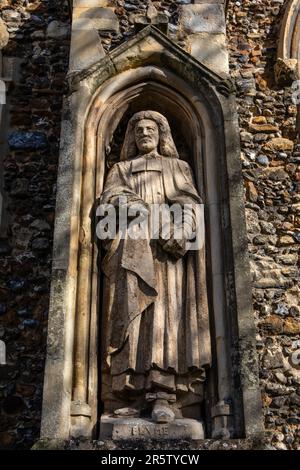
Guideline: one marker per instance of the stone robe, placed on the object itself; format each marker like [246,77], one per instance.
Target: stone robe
[155,316]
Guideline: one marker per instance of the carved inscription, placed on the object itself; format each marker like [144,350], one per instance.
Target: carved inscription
[150,431]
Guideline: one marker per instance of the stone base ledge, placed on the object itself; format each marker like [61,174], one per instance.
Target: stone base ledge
[143,429]
[257,443]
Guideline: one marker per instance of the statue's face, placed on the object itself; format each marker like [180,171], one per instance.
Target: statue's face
[146,135]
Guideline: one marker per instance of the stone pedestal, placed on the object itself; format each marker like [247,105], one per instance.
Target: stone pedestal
[138,428]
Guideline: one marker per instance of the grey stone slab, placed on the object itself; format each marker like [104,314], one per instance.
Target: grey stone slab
[4,36]
[203,18]
[210,1]
[97,18]
[89,3]
[86,48]
[102,13]
[137,428]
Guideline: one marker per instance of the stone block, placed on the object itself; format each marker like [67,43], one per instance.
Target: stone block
[203,18]
[211,51]
[86,49]
[89,3]
[98,12]
[144,429]
[4,36]
[97,18]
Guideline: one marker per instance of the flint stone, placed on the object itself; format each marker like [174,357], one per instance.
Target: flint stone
[16,285]
[295,399]
[40,225]
[37,35]
[3,309]
[57,30]
[27,140]
[30,323]
[19,187]
[40,244]
[11,16]
[204,18]
[263,160]
[273,359]
[137,428]
[275,174]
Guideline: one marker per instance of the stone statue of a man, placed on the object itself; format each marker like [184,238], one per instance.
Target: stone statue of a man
[155,331]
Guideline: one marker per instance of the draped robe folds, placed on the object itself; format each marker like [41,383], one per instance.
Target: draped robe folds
[155,325]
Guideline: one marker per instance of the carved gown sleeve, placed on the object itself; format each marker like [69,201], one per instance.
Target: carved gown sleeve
[118,184]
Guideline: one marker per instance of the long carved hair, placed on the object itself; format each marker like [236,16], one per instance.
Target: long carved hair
[166,146]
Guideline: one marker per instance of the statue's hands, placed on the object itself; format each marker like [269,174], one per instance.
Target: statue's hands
[133,207]
[137,209]
[176,248]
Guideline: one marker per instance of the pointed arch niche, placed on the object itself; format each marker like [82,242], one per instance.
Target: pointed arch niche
[149,72]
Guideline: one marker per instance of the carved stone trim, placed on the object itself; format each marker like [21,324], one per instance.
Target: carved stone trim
[157,50]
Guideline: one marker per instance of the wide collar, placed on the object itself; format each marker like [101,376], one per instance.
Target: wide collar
[150,162]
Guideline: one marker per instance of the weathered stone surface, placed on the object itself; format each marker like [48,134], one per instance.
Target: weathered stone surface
[291,326]
[4,36]
[267,128]
[286,71]
[89,3]
[272,325]
[11,15]
[104,19]
[213,54]
[267,274]
[280,144]
[141,429]
[86,48]
[203,18]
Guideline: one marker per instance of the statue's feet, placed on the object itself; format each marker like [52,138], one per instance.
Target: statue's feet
[162,413]
[126,413]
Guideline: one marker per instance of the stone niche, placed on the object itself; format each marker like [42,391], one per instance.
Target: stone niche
[149,71]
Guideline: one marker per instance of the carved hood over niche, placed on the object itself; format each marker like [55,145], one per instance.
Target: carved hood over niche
[149,72]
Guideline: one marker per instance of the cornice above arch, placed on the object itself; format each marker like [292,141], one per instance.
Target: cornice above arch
[151,47]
